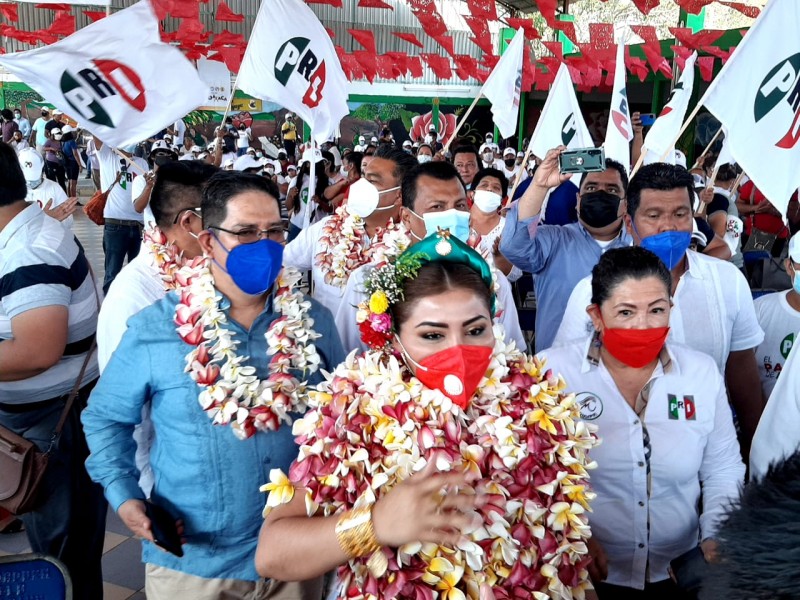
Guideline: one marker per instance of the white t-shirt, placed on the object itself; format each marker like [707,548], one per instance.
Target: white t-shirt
[49,190]
[777,435]
[179,127]
[780,323]
[301,253]
[712,311]
[120,202]
[354,294]
[243,138]
[302,217]
[137,187]
[693,446]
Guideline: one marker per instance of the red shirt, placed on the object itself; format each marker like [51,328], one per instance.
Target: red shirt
[750,194]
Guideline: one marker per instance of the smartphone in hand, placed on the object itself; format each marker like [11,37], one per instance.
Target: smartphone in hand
[647,119]
[164,529]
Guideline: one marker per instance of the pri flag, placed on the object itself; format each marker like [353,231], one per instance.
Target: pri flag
[755,96]
[561,122]
[115,77]
[291,60]
[619,132]
[504,84]
[660,141]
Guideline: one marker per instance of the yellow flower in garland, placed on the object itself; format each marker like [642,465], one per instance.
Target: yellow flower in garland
[280,488]
[378,302]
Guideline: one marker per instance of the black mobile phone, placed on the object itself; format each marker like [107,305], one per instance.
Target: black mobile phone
[689,569]
[165,532]
[647,119]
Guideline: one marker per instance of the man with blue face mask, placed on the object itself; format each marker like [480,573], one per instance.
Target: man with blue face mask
[433,198]
[205,474]
[713,309]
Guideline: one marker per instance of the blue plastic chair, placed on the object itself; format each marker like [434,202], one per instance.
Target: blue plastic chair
[34,576]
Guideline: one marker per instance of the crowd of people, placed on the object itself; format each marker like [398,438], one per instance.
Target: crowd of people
[346,327]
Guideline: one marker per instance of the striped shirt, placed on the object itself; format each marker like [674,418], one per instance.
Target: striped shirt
[41,264]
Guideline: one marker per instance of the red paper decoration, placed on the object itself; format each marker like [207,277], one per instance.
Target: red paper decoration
[750,11]
[706,66]
[693,6]
[364,37]
[9,12]
[438,64]
[483,9]
[333,3]
[94,15]
[645,6]
[56,7]
[548,10]
[374,4]
[224,13]
[531,32]
[63,24]
[408,37]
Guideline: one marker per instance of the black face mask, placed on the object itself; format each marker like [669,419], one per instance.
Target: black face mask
[162,159]
[510,162]
[599,209]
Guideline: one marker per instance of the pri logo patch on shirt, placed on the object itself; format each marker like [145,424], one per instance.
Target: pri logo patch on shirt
[681,408]
[590,405]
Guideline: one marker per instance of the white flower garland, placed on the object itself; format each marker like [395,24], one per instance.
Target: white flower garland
[231,392]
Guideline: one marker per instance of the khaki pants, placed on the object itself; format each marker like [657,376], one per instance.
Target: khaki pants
[165,584]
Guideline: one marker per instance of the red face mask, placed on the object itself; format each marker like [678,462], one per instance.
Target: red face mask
[456,372]
[635,347]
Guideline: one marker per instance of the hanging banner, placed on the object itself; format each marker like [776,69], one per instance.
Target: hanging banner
[218,78]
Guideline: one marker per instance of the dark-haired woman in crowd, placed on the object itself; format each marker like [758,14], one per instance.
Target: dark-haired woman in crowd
[441,463]
[666,429]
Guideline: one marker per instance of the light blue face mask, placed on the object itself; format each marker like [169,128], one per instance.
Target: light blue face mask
[457,221]
[796,280]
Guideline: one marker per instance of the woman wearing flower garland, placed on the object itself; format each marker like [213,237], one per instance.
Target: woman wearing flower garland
[442,462]
[662,414]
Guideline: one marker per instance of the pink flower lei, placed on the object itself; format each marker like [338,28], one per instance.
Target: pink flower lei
[373,424]
[231,394]
[174,269]
[342,245]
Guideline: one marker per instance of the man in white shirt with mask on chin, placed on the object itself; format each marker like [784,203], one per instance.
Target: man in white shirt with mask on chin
[50,196]
[433,198]
[336,245]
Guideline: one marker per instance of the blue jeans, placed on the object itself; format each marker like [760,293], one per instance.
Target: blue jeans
[70,520]
[119,242]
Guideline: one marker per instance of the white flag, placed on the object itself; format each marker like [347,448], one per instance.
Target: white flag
[619,132]
[660,140]
[755,96]
[218,79]
[561,121]
[725,156]
[290,60]
[503,86]
[115,77]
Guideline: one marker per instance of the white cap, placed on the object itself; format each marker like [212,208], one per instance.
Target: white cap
[246,162]
[509,152]
[228,162]
[57,112]
[373,139]
[337,156]
[291,168]
[794,248]
[32,164]
[407,144]
[520,154]
[67,128]
[195,149]
[680,158]
[698,235]
[489,136]
[56,131]
[161,145]
[362,140]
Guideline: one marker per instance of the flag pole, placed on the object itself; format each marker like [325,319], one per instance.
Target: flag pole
[136,167]
[523,169]
[461,121]
[639,162]
[230,101]
[711,143]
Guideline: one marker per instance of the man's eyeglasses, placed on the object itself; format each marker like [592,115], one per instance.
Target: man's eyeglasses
[194,211]
[250,235]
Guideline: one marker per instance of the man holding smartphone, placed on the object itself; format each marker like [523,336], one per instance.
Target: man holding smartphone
[561,255]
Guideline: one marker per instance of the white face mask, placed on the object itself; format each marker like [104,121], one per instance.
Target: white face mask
[424,158]
[487,201]
[32,185]
[343,172]
[363,198]
[488,157]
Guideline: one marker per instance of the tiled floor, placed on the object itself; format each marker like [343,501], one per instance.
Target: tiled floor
[123,571]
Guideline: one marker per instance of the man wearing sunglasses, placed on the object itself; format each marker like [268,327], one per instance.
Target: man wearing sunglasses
[205,475]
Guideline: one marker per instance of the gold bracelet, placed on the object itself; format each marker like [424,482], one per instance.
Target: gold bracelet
[355,533]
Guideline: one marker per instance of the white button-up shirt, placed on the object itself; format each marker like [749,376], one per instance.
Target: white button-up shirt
[692,444]
[713,311]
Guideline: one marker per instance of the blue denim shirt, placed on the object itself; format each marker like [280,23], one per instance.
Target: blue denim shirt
[203,473]
[559,256]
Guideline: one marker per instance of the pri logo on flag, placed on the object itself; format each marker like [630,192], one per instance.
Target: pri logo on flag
[87,91]
[780,91]
[619,114]
[296,59]
[569,129]
[684,405]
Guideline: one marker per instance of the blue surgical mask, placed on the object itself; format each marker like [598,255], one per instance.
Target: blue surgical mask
[457,221]
[254,267]
[796,280]
[669,246]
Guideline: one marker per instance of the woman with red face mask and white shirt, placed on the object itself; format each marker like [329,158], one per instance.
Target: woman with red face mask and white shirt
[665,427]
[439,462]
